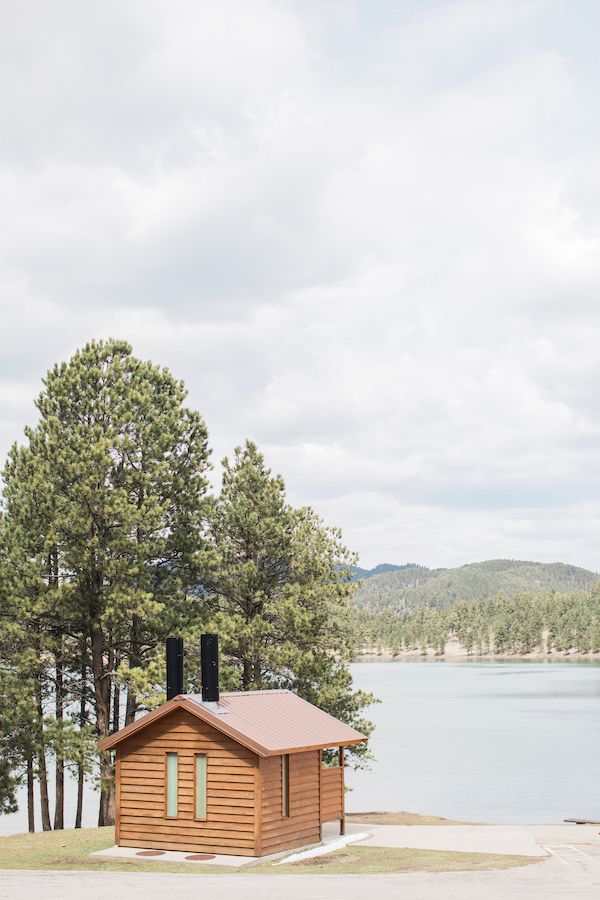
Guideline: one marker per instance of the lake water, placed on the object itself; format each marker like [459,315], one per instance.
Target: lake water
[483,741]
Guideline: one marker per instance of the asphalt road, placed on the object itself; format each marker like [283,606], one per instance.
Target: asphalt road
[570,872]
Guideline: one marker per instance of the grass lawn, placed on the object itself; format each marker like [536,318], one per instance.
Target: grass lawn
[385,860]
[70,849]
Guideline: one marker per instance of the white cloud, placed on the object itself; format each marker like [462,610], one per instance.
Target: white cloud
[365,235]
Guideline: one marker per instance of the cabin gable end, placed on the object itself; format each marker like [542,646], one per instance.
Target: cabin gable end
[183,785]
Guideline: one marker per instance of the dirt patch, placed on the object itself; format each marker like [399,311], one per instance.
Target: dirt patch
[401,818]
[328,859]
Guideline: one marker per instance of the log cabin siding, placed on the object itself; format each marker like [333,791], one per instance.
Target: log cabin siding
[302,826]
[229,826]
[332,794]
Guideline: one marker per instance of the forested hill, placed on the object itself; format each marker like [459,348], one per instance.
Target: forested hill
[357,572]
[413,587]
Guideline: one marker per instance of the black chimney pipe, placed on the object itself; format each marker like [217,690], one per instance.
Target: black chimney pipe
[174,667]
[209,657]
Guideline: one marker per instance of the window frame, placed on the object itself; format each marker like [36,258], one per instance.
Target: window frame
[198,818]
[169,753]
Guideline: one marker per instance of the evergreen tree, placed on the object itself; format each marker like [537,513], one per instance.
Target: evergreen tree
[280,591]
[117,468]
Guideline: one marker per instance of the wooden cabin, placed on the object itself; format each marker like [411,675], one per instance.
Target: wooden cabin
[239,775]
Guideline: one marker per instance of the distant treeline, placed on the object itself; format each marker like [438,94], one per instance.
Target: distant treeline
[521,624]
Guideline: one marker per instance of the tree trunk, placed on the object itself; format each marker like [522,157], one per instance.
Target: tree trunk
[79,810]
[59,806]
[30,799]
[134,660]
[102,691]
[246,674]
[41,752]
[106,812]
[130,706]
[135,652]
[82,723]
[116,697]
[44,803]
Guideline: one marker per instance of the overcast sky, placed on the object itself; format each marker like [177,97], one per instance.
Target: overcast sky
[365,234]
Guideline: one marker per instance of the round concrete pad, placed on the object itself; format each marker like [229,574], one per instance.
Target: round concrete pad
[199,856]
[150,853]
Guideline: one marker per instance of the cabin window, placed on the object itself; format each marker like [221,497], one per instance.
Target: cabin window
[171,771]
[200,786]
[285,785]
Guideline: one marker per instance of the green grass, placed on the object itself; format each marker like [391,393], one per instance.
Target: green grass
[386,860]
[71,849]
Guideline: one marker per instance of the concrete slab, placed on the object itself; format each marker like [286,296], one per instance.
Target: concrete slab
[172,856]
[565,834]
[218,859]
[504,839]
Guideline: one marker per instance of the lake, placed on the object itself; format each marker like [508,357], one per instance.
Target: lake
[483,740]
[480,740]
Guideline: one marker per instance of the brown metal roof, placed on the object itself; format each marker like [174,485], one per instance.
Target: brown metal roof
[267,722]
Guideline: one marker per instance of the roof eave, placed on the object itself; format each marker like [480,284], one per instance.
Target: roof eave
[220,722]
[305,748]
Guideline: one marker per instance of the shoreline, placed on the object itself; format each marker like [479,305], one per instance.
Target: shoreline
[461,654]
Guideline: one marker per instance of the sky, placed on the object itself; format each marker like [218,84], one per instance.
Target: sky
[365,234]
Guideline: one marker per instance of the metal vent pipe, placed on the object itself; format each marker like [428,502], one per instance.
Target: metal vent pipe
[209,656]
[174,647]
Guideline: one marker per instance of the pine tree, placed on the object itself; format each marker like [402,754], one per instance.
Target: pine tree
[280,593]
[117,465]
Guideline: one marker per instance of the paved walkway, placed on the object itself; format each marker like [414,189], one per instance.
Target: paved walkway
[522,840]
[565,834]
[571,873]
[506,839]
